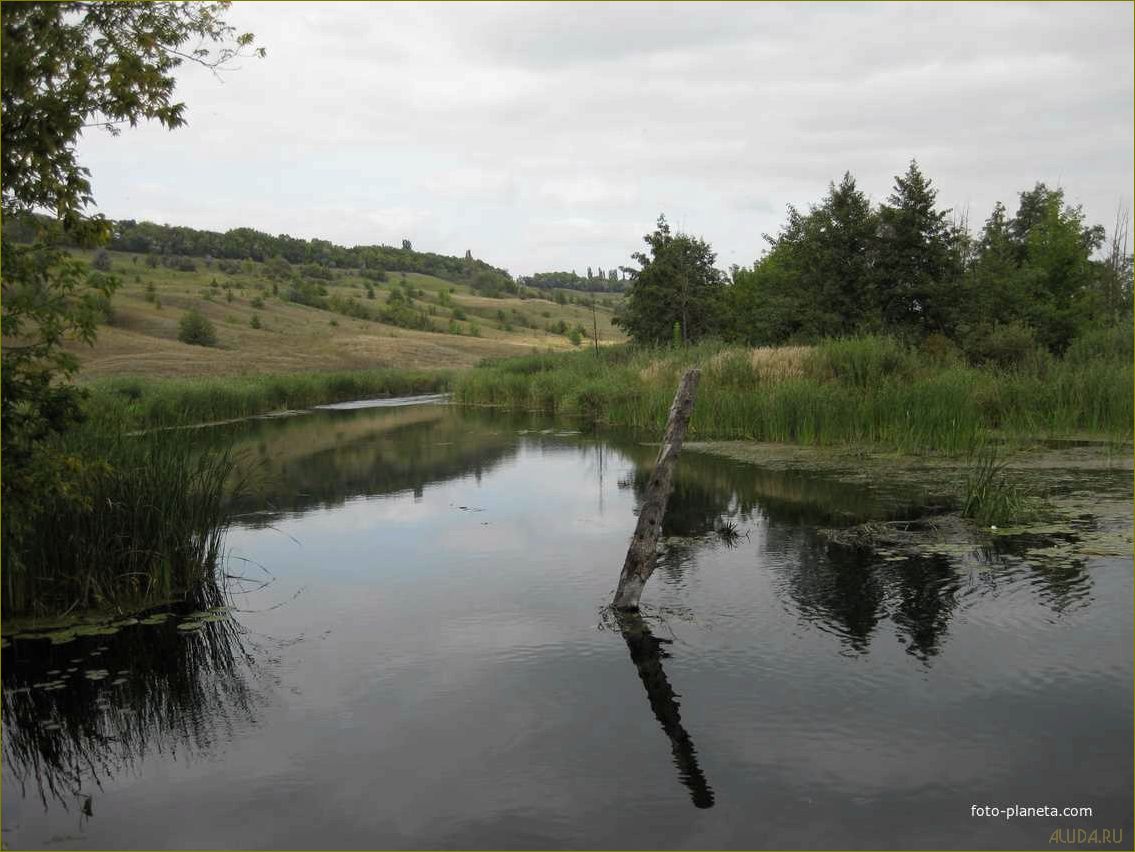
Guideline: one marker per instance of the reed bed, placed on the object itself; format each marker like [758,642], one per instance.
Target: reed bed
[141,520]
[152,402]
[871,391]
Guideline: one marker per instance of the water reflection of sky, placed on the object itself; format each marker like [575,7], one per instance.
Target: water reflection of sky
[437,675]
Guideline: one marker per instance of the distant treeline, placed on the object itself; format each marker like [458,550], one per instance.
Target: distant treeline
[250,244]
[1037,278]
[604,282]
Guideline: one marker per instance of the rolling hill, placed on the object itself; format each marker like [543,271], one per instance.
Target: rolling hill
[413,320]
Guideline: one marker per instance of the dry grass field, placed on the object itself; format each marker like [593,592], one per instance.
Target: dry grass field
[141,336]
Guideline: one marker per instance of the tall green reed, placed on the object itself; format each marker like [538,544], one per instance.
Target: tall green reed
[142,518]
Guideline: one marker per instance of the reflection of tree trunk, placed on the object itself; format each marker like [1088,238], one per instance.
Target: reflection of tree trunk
[643,552]
[647,653]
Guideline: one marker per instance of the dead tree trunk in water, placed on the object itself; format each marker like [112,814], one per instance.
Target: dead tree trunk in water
[642,554]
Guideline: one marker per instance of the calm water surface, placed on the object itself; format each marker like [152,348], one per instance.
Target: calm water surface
[419,656]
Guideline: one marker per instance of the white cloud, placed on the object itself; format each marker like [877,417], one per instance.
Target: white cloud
[551,135]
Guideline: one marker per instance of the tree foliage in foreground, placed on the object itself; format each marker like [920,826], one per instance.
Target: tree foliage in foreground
[64,68]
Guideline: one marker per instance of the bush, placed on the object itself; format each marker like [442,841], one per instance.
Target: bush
[255,321]
[314,270]
[101,261]
[196,329]
[1110,343]
[98,304]
[940,350]
[1006,345]
[305,293]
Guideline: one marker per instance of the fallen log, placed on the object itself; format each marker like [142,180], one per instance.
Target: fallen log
[643,551]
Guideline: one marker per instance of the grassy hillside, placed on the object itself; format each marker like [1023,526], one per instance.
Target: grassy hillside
[140,335]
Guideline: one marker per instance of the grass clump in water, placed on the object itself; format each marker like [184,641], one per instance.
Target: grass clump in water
[140,519]
[991,499]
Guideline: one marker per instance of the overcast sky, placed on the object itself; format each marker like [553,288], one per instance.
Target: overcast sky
[551,136]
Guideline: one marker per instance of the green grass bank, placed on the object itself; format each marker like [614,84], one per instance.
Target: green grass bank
[872,391]
[142,403]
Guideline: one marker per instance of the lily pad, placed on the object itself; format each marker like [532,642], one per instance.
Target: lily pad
[61,637]
[96,630]
[191,625]
[96,674]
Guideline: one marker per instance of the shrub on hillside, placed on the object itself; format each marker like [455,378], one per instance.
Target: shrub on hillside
[98,306]
[196,329]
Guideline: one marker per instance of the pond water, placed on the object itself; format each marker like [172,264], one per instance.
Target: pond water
[416,653]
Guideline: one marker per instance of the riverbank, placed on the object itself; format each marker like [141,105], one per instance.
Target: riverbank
[145,403]
[865,392]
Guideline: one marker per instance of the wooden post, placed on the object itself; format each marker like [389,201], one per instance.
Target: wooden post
[642,553]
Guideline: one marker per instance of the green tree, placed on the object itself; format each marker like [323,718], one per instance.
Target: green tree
[992,285]
[676,282]
[918,290]
[1036,270]
[1060,277]
[765,305]
[65,67]
[819,277]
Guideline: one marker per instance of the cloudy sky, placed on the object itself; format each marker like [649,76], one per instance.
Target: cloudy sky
[551,136]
